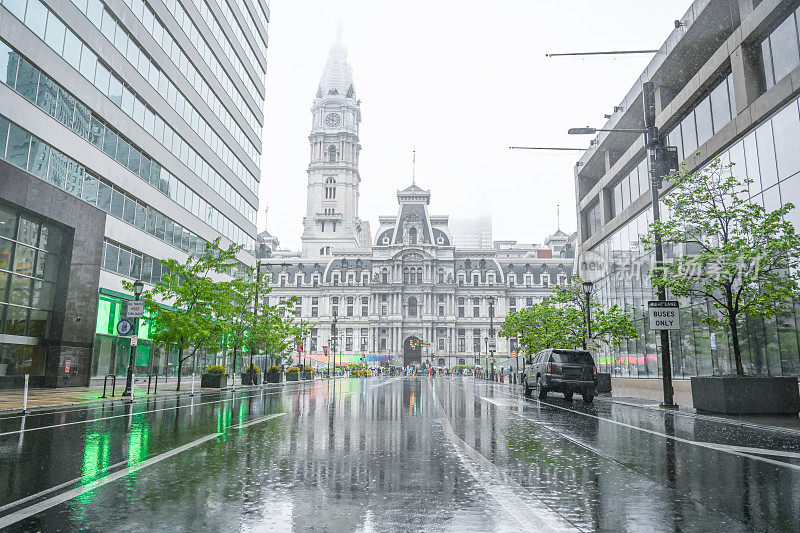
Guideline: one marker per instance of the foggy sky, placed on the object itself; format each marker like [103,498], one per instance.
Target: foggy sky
[461,80]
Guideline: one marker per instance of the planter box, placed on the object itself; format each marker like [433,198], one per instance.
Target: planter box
[603,382]
[213,381]
[308,375]
[746,395]
[275,378]
[292,376]
[246,378]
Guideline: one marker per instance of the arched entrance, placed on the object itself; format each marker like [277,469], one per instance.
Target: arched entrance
[412,351]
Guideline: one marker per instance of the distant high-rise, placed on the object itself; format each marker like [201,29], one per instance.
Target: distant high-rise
[474,233]
[130,132]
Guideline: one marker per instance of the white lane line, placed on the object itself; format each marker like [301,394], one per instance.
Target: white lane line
[709,445]
[516,500]
[31,510]
[258,421]
[55,488]
[190,404]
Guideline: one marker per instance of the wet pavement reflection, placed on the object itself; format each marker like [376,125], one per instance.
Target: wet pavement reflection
[392,454]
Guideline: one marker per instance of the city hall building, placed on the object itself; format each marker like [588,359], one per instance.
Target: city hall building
[727,82]
[406,295]
[130,131]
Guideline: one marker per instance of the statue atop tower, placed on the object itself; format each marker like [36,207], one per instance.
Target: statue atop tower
[331,220]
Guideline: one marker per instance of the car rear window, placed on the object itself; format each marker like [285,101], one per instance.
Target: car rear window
[574,358]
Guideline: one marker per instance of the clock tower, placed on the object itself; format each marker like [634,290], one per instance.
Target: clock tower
[331,221]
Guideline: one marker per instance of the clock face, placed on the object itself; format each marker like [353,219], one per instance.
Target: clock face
[332,120]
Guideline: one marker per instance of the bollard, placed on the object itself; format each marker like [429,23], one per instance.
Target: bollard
[25,397]
[192,384]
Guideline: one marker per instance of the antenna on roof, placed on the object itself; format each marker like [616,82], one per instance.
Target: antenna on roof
[414,166]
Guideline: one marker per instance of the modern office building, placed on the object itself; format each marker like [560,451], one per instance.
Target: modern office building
[412,294]
[727,82]
[130,132]
[472,233]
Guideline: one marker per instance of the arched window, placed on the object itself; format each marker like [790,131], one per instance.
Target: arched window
[412,306]
[332,154]
[412,236]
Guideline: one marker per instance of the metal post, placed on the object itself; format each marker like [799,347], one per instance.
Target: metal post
[25,395]
[652,141]
[255,321]
[137,291]
[588,319]
[192,384]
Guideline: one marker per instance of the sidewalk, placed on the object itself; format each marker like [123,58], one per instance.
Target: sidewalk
[648,393]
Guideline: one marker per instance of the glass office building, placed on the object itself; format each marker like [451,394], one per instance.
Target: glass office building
[724,89]
[147,118]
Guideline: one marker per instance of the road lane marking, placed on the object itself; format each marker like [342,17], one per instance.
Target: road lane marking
[710,445]
[510,495]
[190,404]
[257,421]
[31,510]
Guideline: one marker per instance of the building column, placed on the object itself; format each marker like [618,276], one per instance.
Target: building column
[745,78]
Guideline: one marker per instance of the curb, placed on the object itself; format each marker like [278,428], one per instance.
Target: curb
[172,394]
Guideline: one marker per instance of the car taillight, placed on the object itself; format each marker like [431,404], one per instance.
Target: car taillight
[548,368]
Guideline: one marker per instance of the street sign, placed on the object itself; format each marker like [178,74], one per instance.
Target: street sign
[325,350]
[124,327]
[492,344]
[134,340]
[664,315]
[134,309]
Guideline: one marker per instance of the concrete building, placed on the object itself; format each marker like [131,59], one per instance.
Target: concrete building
[130,131]
[411,295]
[726,87]
[472,233]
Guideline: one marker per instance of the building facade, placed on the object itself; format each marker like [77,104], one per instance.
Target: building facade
[473,233]
[726,88]
[410,295]
[132,130]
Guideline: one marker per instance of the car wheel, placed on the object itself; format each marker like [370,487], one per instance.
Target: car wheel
[588,396]
[568,396]
[527,389]
[542,390]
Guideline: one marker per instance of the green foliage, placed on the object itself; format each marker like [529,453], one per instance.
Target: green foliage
[740,257]
[197,302]
[561,322]
[215,370]
[274,369]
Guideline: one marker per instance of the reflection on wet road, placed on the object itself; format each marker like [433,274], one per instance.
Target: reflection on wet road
[392,454]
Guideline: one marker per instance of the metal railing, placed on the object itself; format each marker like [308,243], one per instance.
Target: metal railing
[113,384]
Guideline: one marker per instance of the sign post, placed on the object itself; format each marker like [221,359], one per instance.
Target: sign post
[664,316]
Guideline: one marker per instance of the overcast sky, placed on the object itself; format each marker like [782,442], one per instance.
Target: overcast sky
[461,80]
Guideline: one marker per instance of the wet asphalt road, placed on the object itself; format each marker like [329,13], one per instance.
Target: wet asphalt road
[392,454]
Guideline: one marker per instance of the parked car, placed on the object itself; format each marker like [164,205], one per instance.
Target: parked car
[564,371]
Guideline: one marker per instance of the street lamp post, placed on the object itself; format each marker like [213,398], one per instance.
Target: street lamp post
[255,322]
[587,292]
[662,160]
[491,334]
[333,348]
[138,286]
[486,343]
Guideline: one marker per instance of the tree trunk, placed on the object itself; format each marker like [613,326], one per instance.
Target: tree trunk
[180,365]
[732,324]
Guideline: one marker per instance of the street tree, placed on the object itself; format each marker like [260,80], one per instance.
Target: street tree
[195,302]
[727,250]
[543,325]
[610,326]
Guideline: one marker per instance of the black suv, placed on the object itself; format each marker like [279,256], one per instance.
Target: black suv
[565,371]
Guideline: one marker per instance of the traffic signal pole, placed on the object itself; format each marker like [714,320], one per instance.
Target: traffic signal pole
[660,162]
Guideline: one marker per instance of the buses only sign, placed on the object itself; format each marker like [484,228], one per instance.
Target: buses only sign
[664,315]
